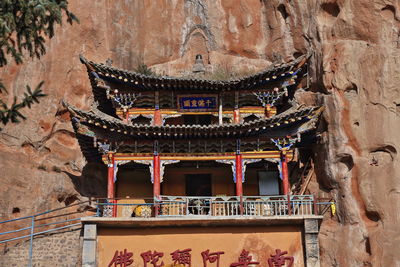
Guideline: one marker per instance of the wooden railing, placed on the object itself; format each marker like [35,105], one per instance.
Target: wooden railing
[185,206]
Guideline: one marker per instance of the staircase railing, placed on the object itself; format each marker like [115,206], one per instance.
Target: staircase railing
[38,221]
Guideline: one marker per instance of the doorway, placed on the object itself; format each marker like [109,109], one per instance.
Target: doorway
[268,182]
[198,185]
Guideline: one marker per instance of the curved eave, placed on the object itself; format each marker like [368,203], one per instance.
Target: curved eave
[270,75]
[278,126]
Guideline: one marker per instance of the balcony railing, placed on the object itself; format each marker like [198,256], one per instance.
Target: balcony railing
[185,206]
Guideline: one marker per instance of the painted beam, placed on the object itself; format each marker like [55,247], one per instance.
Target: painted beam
[202,156]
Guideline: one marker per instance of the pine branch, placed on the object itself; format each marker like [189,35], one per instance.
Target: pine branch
[26,24]
[12,114]
[144,69]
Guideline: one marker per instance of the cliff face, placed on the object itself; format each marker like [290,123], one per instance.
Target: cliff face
[355,74]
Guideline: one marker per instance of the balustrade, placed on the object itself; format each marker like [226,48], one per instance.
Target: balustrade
[218,206]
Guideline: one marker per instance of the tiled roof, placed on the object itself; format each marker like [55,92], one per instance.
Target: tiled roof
[273,74]
[288,123]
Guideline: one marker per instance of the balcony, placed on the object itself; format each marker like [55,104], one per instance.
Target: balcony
[218,207]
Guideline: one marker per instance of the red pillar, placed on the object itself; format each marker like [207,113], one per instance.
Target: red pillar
[236,111]
[239,175]
[111,184]
[156,181]
[285,173]
[127,117]
[156,176]
[157,118]
[236,116]
[267,111]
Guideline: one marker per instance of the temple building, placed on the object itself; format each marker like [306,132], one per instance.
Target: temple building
[200,172]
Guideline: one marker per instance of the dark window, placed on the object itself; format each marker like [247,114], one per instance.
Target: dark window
[268,182]
[198,185]
[197,119]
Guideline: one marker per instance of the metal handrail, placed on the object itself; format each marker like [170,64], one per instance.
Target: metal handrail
[15,231]
[39,233]
[45,212]
[34,218]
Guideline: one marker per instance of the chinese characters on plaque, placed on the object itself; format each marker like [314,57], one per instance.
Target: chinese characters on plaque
[184,257]
[198,103]
[121,259]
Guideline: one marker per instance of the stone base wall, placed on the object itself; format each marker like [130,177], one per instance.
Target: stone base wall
[61,249]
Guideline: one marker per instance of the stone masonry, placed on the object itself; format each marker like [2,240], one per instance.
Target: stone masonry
[61,249]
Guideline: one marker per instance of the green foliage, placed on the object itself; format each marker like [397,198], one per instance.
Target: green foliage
[12,113]
[25,25]
[144,69]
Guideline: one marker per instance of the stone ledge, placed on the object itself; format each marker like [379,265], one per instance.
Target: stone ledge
[197,221]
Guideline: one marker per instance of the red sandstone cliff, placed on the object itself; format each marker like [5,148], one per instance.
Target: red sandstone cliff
[355,74]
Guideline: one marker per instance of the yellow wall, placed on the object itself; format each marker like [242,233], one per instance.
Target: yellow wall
[222,181]
[137,184]
[261,242]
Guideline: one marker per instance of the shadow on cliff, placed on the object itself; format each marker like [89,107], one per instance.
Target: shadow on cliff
[92,182]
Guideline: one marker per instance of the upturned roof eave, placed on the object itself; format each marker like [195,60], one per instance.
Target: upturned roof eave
[141,131]
[274,73]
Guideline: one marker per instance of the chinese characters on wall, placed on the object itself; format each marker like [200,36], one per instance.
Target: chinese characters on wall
[198,103]
[184,258]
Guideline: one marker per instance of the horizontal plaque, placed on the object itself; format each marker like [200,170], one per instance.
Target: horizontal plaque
[197,102]
[224,246]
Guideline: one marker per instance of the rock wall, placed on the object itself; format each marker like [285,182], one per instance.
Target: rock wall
[56,249]
[355,74]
